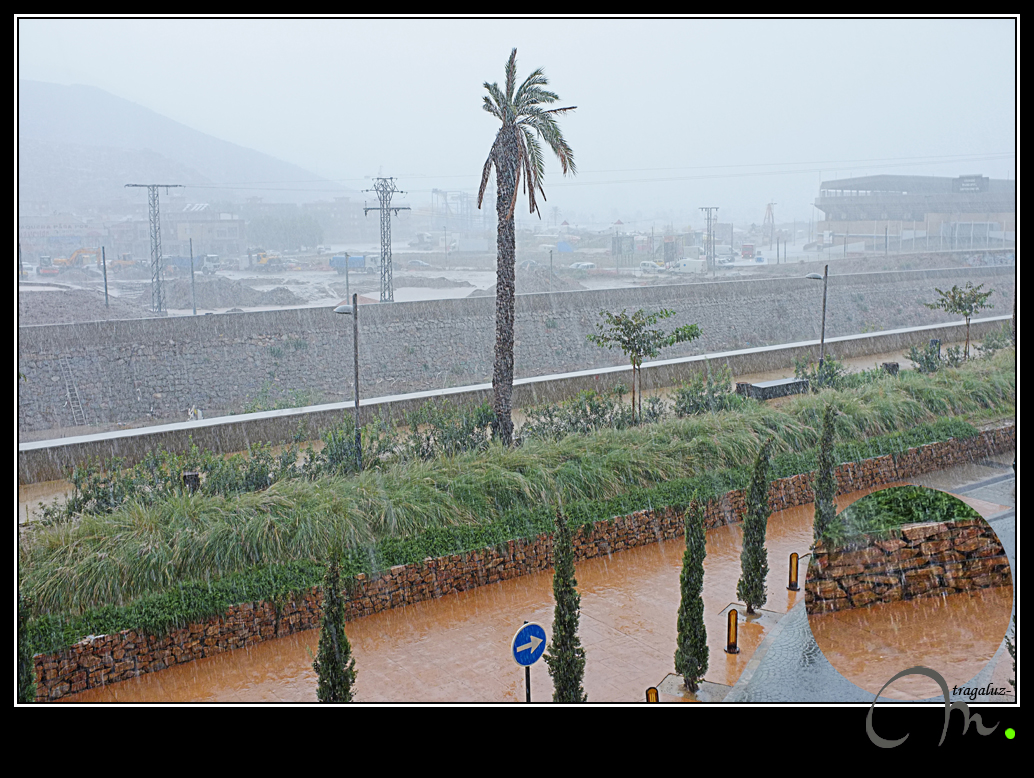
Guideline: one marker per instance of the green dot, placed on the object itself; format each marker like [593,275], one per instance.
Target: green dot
[1010,733]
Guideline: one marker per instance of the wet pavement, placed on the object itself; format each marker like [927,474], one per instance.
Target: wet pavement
[457,648]
[953,635]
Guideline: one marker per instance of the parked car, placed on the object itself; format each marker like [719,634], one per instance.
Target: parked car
[584,266]
[650,267]
[527,264]
[419,263]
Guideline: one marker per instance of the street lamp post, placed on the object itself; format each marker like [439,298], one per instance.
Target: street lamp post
[824,278]
[353,311]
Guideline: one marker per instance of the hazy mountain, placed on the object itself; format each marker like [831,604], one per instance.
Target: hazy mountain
[78,146]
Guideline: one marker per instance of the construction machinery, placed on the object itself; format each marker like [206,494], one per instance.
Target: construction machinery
[121,263]
[46,267]
[260,259]
[77,260]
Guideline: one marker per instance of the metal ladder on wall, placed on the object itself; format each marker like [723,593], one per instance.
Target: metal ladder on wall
[78,416]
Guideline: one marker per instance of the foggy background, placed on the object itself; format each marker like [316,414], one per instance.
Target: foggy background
[671,115]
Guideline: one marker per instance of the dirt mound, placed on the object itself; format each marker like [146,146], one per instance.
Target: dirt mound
[73,305]
[218,292]
[535,280]
[403,279]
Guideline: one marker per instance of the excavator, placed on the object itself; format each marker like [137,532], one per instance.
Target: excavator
[77,260]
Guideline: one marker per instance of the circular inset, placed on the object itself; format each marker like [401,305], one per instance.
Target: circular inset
[910,576]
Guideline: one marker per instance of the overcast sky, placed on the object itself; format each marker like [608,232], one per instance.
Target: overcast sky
[672,114]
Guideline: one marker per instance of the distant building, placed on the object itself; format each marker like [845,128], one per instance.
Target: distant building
[212,231]
[56,234]
[904,213]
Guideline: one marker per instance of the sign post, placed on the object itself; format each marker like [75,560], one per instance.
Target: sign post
[527,646]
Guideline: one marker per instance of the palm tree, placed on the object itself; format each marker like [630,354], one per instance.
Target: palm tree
[516,149]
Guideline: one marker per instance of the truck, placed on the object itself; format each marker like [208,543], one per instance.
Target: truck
[180,265]
[354,263]
[747,251]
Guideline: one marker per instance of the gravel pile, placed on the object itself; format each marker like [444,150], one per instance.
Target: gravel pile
[218,292]
[534,280]
[73,305]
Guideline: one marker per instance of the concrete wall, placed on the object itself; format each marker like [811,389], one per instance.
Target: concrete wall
[130,371]
[52,459]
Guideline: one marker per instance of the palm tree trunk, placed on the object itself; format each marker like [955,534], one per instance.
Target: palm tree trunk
[502,375]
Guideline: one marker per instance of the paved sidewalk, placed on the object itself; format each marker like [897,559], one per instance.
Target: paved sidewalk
[789,666]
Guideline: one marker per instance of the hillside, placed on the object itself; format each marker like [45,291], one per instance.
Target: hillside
[78,146]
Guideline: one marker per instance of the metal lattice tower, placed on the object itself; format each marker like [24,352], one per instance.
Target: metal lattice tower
[769,222]
[157,269]
[385,188]
[710,212]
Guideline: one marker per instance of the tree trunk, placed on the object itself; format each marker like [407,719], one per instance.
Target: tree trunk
[502,375]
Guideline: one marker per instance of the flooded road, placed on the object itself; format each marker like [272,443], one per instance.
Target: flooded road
[457,648]
[956,635]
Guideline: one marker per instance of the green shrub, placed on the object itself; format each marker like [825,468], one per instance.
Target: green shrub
[995,340]
[830,375]
[894,507]
[708,392]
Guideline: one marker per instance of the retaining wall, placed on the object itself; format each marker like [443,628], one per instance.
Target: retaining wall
[97,660]
[128,371]
[913,561]
[53,459]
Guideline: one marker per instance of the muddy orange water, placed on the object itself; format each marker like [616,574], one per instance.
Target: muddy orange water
[457,648]
[956,635]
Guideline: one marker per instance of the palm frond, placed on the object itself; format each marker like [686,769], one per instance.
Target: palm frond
[491,107]
[548,129]
[484,178]
[511,76]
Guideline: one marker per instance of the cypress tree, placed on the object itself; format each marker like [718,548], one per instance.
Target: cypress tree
[565,655]
[754,557]
[691,652]
[334,665]
[825,482]
[26,664]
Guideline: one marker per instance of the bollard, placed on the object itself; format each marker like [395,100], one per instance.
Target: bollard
[731,647]
[652,695]
[192,480]
[792,586]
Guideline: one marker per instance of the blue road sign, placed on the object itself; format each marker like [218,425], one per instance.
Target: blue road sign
[528,644]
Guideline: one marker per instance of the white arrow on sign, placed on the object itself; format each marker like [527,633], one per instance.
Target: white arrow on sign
[534,644]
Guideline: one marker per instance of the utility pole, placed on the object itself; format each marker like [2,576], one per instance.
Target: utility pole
[193,291]
[104,265]
[385,188]
[710,212]
[157,269]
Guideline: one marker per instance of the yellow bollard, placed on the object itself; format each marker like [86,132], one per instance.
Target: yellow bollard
[731,647]
[794,561]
